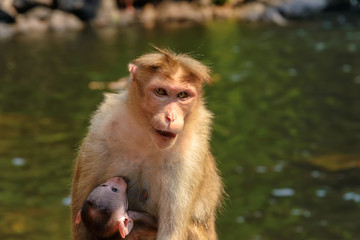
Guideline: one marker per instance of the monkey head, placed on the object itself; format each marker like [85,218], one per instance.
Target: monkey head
[166,89]
[104,211]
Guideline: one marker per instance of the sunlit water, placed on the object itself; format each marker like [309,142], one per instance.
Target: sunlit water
[282,96]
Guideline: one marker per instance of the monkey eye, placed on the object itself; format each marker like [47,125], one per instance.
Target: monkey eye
[160,92]
[183,95]
[115,190]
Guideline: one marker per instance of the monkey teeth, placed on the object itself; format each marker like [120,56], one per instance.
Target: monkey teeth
[166,134]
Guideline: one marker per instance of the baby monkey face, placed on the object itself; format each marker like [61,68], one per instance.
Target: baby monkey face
[104,211]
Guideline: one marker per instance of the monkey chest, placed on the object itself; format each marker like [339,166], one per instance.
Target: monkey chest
[144,184]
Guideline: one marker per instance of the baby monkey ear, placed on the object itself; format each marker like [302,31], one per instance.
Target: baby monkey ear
[78,218]
[132,69]
[125,224]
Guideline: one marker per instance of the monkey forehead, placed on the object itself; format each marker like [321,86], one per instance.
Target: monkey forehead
[103,195]
[174,86]
[166,61]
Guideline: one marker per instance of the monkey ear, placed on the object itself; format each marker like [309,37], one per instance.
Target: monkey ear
[125,224]
[78,218]
[132,69]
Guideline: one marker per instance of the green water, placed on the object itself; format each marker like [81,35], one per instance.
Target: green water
[281,96]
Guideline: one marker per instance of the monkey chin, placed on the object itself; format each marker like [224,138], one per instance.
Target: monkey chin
[163,139]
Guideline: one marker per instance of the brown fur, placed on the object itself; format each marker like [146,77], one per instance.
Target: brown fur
[178,173]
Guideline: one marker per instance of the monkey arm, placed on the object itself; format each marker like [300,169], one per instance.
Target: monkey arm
[209,199]
[178,198]
[145,226]
[191,213]
[144,218]
[173,220]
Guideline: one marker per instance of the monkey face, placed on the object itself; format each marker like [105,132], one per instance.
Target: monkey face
[168,104]
[104,211]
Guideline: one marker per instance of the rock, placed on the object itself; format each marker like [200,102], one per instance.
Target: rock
[148,16]
[272,15]
[26,24]
[223,12]
[251,12]
[302,8]
[24,5]
[107,15]
[127,17]
[7,7]
[6,30]
[34,20]
[85,9]
[42,13]
[178,12]
[204,2]
[207,13]
[61,21]
[260,11]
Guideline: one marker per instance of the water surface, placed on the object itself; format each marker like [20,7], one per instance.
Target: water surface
[282,96]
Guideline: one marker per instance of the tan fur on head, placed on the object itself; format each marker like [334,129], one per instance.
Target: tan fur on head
[165,62]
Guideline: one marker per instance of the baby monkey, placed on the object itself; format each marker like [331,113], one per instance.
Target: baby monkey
[105,214]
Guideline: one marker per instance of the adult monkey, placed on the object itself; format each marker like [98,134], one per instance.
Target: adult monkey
[156,134]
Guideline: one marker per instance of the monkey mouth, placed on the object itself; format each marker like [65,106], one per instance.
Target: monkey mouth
[166,134]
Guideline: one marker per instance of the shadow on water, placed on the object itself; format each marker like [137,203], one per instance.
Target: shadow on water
[286,133]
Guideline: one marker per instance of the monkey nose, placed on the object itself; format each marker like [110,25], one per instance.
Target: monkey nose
[170,117]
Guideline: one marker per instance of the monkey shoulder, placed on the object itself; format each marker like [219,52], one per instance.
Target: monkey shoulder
[112,107]
[109,120]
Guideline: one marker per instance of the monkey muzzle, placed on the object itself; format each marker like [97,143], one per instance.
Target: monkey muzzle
[166,134]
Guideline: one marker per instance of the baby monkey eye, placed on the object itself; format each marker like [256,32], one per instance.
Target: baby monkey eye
[160,92]
[115,190]
[183,95]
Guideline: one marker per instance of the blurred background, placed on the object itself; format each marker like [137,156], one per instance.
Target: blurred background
[286,96]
